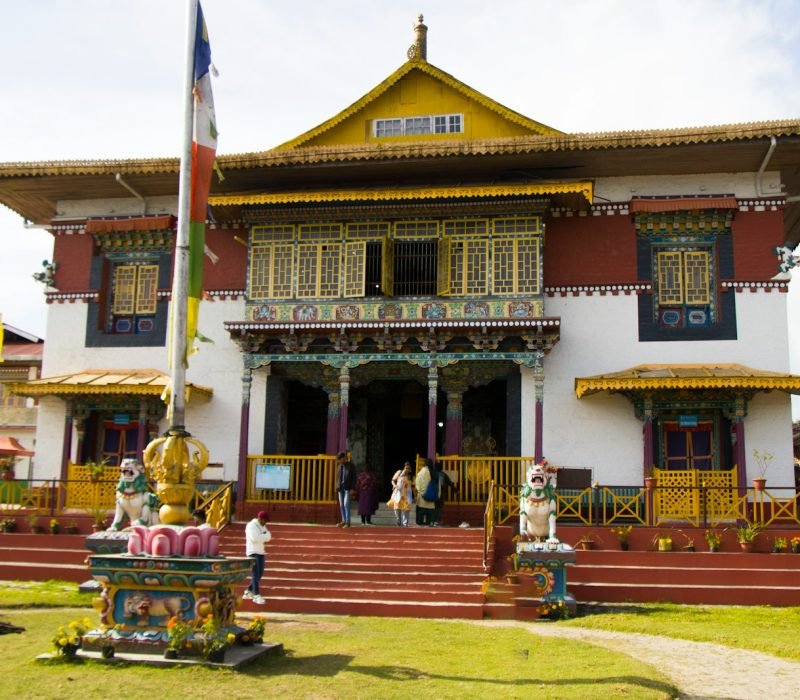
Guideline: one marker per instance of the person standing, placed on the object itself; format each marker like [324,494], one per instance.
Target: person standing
[345,482]
[367,487]
[256,536]
[402,494]
[444,483]
[426,499]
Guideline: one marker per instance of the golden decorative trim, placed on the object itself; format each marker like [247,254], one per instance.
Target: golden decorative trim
[378,195]
[284,156]
[678,377]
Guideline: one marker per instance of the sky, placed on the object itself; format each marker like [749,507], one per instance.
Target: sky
[102,79]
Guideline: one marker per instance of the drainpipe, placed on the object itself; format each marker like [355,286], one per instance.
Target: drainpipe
[772,143]
[135,193]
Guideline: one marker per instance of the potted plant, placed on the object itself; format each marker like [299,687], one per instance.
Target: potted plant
[55,526]
[71,527]
[96,469]
[622,533]
[585,542]
[254,632]
[99,521]
[779,545]
[794,544]
[178,633]
[662,542]
[34,523]
[7,467]
[746,535]
[651,480]
[67,639]
[8,525]
[763,460]
[214,641]
[713,540]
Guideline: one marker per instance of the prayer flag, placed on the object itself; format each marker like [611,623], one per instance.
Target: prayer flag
[204,149]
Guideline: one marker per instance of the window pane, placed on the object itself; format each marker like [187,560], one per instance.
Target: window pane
[696,276]
[124,289]
[670,277]
[146,289]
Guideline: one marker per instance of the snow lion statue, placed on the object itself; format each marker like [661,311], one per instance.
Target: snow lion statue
[134,499]
[537,504]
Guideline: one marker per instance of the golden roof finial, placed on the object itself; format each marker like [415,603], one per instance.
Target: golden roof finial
[419,49]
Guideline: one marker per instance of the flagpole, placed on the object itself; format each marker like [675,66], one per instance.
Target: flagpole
[180,280]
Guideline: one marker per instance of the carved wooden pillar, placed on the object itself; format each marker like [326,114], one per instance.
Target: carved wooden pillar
[433,387]
[332,430]
[344,408]
[244,439]
[741,452]
[67,440]
[538,435]
[648,456]
[141,430]
[454,424]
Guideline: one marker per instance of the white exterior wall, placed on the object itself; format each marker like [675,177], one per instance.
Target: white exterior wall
[599,335]
[218,365]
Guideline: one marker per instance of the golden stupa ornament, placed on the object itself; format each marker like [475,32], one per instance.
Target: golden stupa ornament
[418,51]
[176,467]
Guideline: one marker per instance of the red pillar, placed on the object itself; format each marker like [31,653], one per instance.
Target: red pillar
[433,386]
[344,408]
[244,438]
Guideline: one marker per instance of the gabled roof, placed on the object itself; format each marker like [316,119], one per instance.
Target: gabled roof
[536,128]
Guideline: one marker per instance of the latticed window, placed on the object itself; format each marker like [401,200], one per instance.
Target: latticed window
[683,277]
[515,266]
[135,295]
[271,262]
[318,266]
[469,256]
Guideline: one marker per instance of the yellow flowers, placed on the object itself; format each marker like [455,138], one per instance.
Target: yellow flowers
[622,532]
[178,631]
[67,639]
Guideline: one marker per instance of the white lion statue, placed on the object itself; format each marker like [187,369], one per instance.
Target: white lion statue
[537,504]
[134,499]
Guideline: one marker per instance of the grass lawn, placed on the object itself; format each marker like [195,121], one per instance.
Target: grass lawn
[760,628]
[338,657]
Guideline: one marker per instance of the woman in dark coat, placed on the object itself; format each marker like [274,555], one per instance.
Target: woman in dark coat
[367,487]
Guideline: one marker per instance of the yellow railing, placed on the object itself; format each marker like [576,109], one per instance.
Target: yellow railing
[311,479]
[19,494]
[472,476]
[692,495]
[217,505]
[83,492]
[488,524]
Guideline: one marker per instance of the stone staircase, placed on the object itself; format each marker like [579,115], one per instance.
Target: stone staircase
[369,570]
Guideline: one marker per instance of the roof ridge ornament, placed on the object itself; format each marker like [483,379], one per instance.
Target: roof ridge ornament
[418,51]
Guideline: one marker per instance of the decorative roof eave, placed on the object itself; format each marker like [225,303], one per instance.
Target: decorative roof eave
[376,195]
[434,72]
[552,323]
[105,383]
[649,378]
[421,149]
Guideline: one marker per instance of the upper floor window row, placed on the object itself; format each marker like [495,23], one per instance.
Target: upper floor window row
[414,126]
[406,258]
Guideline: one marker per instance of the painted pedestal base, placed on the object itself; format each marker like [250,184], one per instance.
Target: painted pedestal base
[141,592]
[541,574]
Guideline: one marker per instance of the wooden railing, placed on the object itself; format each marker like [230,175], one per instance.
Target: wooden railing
[216,505]
[488,525]
[472,476]
[312,479]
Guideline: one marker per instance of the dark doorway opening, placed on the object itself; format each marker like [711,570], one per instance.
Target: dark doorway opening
[306,419]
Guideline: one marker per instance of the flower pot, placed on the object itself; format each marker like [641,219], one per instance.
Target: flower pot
[70,650]
[107,652]
[217,656]
[796,548]
[650,482]
[713,548]
[746,546]
[664,545]
[170,653]
[8,475]
[624,546]
[759,483]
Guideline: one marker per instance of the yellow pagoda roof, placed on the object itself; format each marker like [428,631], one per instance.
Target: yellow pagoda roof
[109,382]
[687,376]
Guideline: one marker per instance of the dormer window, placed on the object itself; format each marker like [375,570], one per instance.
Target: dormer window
[414,126]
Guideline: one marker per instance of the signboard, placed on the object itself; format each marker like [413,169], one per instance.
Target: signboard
[273,476]
[122,419]
[687,421]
